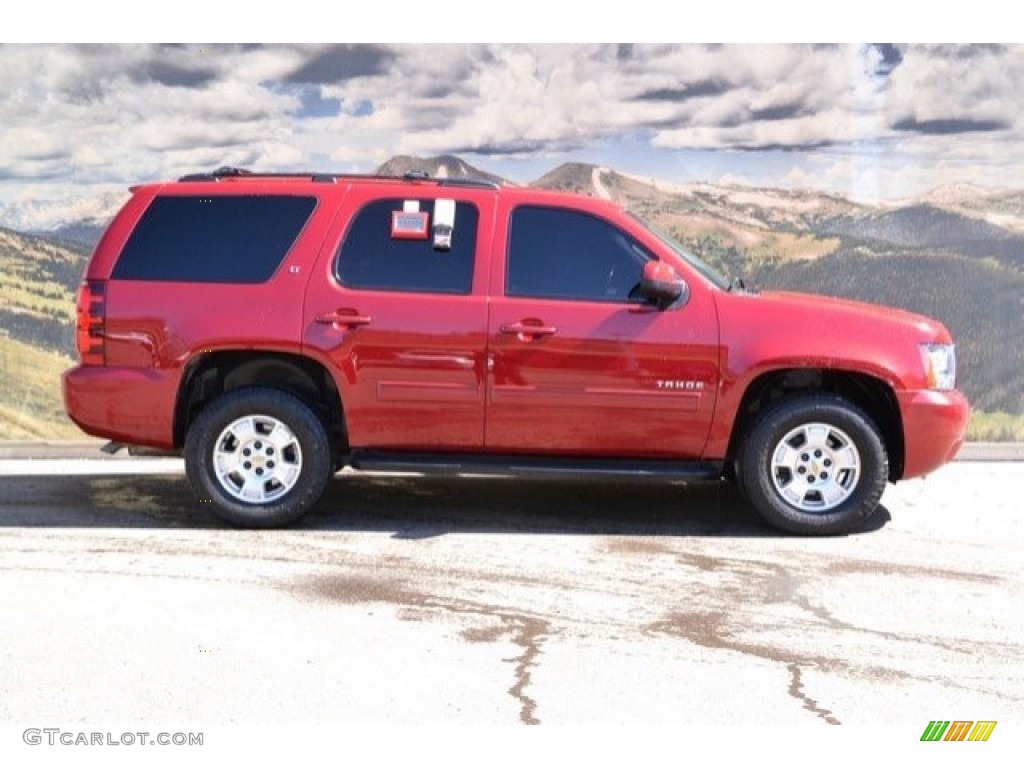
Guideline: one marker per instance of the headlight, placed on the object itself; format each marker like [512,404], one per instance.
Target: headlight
[939,365]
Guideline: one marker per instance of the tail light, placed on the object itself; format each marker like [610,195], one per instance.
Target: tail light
[92,311]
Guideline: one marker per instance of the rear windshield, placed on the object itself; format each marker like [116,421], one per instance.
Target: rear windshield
[221,239]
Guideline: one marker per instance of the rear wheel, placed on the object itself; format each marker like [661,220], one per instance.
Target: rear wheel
[262,456]
[814,465]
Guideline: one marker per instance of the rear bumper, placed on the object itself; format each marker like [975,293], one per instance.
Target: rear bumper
[934,425]
[129,405]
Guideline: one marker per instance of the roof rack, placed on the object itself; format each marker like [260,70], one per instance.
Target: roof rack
[226,172]
[222,172]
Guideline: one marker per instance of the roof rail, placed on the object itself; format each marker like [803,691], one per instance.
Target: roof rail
[330,178]
[217,175]
[460,181]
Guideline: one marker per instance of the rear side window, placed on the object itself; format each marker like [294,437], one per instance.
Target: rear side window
[221,239]
[377,256]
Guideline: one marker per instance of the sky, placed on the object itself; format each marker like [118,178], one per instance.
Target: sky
[80,123]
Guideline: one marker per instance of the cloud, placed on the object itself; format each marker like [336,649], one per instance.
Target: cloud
[692,90]
[309,98]
[98,114]
[511,148]
[165,73]
[778,112]
[956,89]
[339,63]
[531,98]
[888,58]
[950,125]
[969,50]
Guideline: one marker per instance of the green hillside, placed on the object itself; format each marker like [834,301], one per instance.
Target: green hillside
[31,407]
[38,281]
[925,226]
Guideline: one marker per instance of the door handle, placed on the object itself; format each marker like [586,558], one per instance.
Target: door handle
[346,317]
[527,328]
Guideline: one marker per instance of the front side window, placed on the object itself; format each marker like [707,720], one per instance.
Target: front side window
[563,254]
[706,270]
[220,239]
[410,245]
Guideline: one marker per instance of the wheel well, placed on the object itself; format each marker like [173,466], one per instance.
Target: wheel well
[211,375]
[871,395]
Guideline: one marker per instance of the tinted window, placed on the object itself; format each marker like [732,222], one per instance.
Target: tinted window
[556,253]
[705,269]
[372,258]
[222,239]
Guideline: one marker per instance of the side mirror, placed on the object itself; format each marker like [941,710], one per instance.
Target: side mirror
[662,284]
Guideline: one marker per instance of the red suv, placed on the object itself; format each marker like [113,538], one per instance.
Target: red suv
[276,328]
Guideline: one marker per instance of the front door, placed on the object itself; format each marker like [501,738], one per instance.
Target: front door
[579,365]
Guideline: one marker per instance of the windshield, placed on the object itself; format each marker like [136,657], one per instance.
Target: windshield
[709,272]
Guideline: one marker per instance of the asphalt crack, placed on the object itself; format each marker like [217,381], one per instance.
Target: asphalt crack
[525,632]
[708,630]
[796,690]
[961,647]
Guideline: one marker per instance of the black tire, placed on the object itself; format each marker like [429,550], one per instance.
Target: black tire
[287,446]
[813,464]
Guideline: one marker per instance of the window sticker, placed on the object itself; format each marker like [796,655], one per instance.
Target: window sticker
[444,224]
[409,224]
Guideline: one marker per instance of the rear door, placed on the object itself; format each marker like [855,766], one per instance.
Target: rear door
[579,365]
[397,309]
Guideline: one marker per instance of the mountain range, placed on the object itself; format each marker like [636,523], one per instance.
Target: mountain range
[956,254]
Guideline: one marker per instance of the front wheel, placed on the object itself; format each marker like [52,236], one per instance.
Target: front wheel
[262,456]
[814,465]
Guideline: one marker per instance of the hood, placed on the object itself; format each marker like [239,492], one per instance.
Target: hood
[776,330]
[826,313]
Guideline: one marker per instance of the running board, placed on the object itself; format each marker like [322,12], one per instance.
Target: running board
[532,466]
[114,447]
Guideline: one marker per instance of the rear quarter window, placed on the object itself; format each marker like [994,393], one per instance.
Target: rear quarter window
[220,239]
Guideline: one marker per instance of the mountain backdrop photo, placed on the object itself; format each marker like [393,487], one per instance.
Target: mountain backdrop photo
[886,173]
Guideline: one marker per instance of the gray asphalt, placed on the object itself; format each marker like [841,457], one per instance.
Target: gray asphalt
[445,601]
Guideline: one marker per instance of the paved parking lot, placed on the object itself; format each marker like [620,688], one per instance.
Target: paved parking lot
[412,600]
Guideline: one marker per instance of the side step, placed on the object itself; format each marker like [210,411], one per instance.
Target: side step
[530,466]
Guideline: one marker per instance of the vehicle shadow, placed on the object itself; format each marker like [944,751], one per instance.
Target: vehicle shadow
[407,507]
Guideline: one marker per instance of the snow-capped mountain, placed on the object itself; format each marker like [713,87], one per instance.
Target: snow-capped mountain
[90,207]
